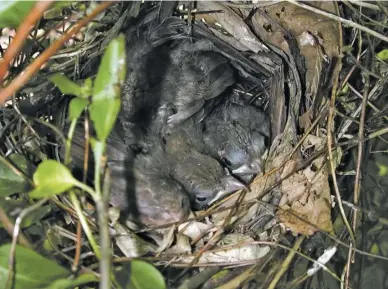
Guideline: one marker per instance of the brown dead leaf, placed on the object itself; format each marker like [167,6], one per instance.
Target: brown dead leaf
[232,247]
[233,24]
[293,188]
[305,24]
[318,37]
[307,195]
[305,120]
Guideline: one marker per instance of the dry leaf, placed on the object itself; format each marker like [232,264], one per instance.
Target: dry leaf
[318,37]
[194,229]
[182,246]
[130,244]
[305,120]
[237,249]
[233,24]
[307,194]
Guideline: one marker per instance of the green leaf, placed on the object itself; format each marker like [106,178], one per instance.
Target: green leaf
[12,13]
[145,276]
[52,178]
[77,105]
[10,182]
[65,85]
[87,88]
[31,269]
[111,72]
[69,283]
[383,170]
[107,88]
[104,115]
[383,54]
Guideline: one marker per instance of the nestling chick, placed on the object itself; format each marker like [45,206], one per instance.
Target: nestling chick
[201,175]
[141,191]
[236,135]
[147,59]
[146,194]
[194,80]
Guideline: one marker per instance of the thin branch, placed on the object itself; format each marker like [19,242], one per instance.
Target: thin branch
[105,244]
[16,232]
[8,225]
[286,263]
[330,152]
[22,32]
[365,4]
[78,245]
[24,76]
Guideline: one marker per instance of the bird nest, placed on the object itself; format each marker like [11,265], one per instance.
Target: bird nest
[289,69]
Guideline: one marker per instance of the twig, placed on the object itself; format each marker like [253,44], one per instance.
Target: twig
[87,146]
[346,22]
[84,224]
[286,263]
[240,279]
[357,180]
[16,231]
[369,103]
[78,245]
[200,278]
[330,152]
[364,4]
[105,245]
[22,32]
[7,223]
[23,77]
[361,131]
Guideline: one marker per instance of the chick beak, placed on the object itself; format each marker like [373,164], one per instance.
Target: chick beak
[231,185]
[253,167]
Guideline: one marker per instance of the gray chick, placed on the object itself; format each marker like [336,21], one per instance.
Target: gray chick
[147,59]
[146,62]
[202,176]
[138,188]
[195,80]
[236,135]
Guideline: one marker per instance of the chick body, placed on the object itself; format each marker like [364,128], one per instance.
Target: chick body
[138,186]
[236,135]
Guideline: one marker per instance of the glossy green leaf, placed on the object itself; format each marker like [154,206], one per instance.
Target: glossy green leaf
[52,178]
[76,107]
[65,85]
[383,54]
[12,13]
[104,115]
[107,88]
[69,283]
[145,276]
[111,72]
[31,269]
[10,182]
